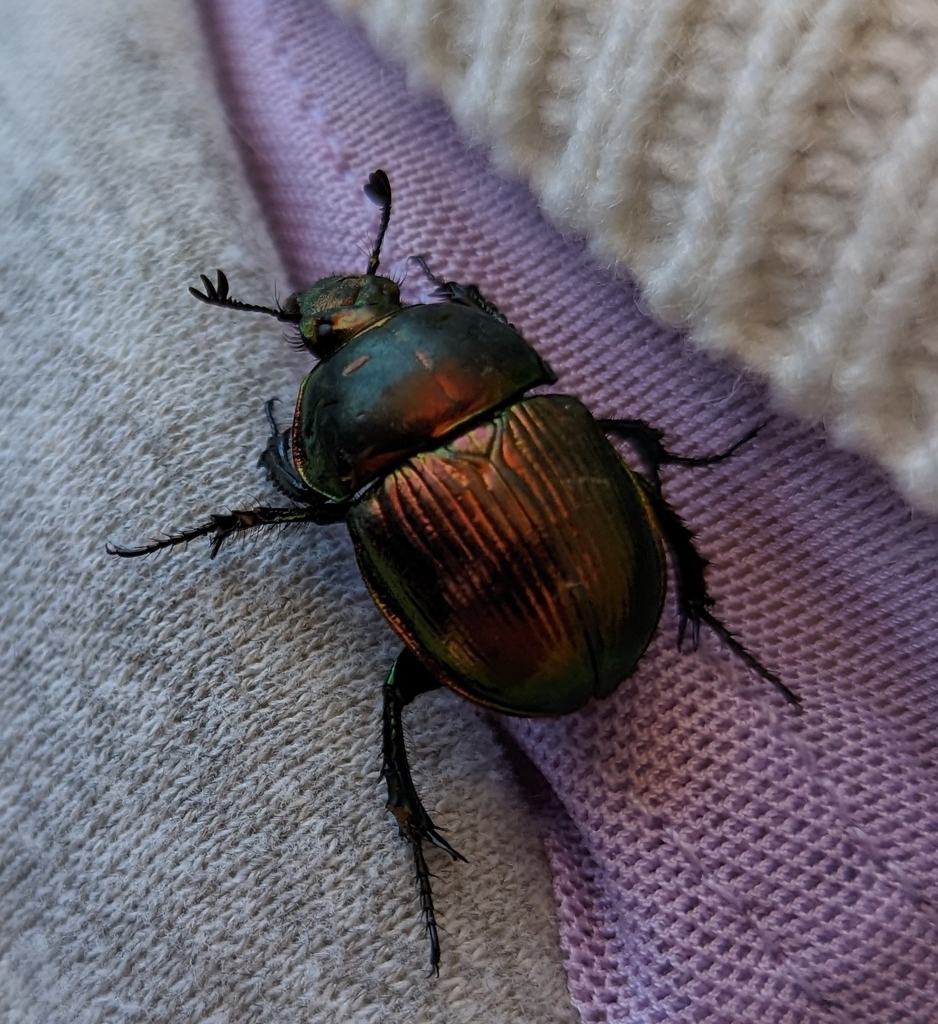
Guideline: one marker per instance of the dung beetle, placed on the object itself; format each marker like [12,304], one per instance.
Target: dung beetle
[513,551]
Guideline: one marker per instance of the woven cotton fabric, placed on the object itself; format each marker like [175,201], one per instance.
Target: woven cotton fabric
[767,171]
[717,858]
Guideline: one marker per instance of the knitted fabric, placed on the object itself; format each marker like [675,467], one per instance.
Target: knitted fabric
[191,821]
[717,858]
[765,170]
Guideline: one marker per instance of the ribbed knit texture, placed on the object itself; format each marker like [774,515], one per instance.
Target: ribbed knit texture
[765,170]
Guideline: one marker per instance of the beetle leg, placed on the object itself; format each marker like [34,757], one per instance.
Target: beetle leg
[463,294]
[649,442]
[277,459]
[406,680]
[216,294]
[222,525]
[694,601]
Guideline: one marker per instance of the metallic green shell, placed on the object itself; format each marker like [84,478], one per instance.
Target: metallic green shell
[399,386]
[520,560]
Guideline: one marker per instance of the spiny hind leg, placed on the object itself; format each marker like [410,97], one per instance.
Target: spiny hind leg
[407,680]
[649,441]
[693,598]
[220,526]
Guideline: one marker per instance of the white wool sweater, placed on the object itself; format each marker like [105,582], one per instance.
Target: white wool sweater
[765,170]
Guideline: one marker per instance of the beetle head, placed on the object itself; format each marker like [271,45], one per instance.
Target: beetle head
[337,308]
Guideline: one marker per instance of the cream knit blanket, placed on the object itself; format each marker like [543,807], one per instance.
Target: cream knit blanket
[764,170]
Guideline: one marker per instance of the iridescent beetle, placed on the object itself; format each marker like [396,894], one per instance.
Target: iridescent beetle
[520,560]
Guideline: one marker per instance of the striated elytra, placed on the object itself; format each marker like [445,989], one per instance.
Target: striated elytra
[515,554]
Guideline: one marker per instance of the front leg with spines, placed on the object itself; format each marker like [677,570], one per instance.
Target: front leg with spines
[277,460]
[461,294]
[649,441]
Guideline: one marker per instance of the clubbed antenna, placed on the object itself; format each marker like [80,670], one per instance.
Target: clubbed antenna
[378,190]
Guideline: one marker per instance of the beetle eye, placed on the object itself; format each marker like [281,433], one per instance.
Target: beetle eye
[323,330]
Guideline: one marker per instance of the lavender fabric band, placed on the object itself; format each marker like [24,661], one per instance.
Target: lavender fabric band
[717,858]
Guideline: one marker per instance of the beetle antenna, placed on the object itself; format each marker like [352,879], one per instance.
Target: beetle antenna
[378,190]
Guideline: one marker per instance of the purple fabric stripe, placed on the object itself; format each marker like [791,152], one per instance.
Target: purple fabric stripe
[717,858]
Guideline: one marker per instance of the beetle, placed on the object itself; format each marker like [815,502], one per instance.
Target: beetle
[517,556]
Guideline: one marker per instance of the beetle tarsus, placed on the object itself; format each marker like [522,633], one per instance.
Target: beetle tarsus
[407,680]
[425,894]
[749,659]
[220,526]
[693,599]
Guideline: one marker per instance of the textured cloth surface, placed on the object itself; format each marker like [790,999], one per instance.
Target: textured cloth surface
[765,169]
[192,825]
[717,858]
[190,815]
